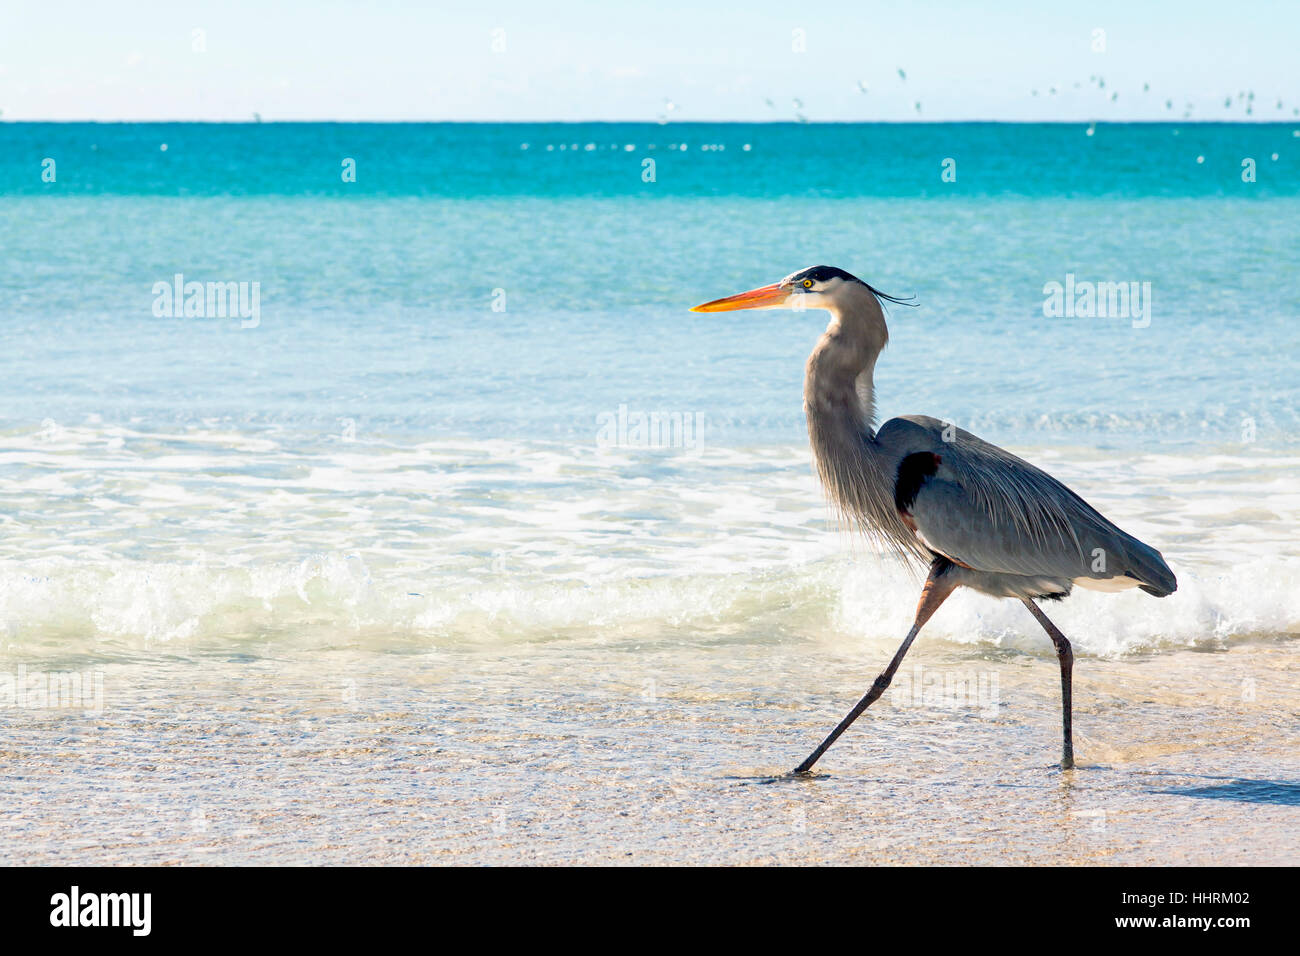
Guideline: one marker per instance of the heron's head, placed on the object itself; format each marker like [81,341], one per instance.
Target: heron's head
[817,287]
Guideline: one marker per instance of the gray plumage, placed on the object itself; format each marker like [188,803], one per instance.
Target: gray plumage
[1012,529]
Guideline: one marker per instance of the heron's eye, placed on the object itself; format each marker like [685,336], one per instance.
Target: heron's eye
[807,283]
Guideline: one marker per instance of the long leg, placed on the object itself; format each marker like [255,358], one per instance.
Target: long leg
[938,585]
[1066,655]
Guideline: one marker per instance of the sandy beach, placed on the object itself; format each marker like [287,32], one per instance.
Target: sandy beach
[659,754]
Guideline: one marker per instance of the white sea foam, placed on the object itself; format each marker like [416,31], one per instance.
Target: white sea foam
[115,538]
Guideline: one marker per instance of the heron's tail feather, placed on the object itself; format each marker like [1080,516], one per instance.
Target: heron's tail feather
[1147,565]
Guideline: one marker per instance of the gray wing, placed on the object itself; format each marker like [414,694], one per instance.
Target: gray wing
[984,508]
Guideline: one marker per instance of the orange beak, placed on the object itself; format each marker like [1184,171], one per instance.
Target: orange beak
[766,297]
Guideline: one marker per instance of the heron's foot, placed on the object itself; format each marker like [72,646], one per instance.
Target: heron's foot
[805,773]
[795,776]
[1067,762]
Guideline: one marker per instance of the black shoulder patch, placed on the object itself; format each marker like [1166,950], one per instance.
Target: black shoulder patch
[913,471]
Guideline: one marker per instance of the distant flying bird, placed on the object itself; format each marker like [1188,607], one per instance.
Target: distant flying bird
[768,101]
[798,103]
[862,86]
[901,75]
[930,492]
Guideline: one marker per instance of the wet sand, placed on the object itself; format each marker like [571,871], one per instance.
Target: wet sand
[660,753]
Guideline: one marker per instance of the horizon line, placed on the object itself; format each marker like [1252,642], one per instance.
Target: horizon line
[1294,121]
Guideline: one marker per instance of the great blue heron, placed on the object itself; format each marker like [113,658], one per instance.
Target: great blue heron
[927,490]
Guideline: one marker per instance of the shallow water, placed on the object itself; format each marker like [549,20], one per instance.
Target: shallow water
[608,754]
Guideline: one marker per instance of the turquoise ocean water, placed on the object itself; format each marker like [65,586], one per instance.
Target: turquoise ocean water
[413,436]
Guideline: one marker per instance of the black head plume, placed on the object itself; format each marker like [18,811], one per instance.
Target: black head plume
[825,273]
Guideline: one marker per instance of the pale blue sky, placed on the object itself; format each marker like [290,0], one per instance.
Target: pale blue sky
[576,60]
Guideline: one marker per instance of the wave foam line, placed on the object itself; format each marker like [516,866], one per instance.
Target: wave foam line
[339,600]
